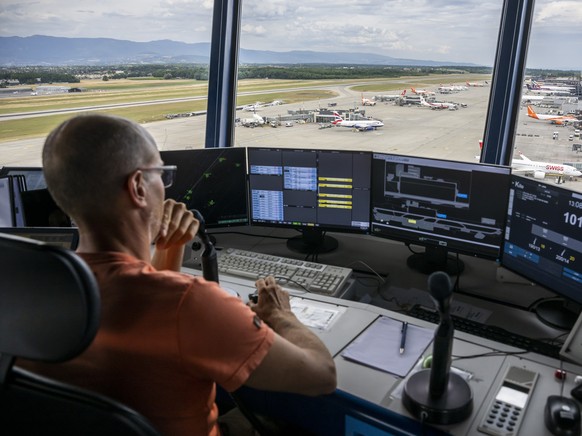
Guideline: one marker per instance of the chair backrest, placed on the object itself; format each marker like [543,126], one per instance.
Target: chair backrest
[49,311]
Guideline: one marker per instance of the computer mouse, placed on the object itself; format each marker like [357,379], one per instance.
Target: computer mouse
[562,416]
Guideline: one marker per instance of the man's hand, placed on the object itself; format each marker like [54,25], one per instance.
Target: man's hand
[178,226]
[273,301]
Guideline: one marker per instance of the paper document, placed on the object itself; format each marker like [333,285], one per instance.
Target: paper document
[379,346]
[316,314]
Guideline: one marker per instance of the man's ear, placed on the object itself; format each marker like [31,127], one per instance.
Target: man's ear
[137,188]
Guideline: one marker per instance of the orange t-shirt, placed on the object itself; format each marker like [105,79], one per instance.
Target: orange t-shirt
[164,340]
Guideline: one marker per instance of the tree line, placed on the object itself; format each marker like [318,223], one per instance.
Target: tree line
[73,74]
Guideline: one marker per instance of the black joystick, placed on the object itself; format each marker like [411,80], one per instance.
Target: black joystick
[436,395]
[208,257]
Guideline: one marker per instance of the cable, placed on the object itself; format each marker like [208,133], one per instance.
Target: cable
[489,354]
[372,271]
[293,281]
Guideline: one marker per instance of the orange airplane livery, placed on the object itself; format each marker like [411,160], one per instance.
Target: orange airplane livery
[555,119]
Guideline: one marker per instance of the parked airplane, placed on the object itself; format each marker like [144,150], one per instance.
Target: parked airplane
[531,98]
[540,170]
[253,107]
[389,97]
[555,92]
[443,89]
[438,104]
[476,84]
[367,101]
[422,91]
[544,87]
[555,119]
[356,124]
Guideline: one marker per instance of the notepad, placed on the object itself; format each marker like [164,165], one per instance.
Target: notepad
[379,346]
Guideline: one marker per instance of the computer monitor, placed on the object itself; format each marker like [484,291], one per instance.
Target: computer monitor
[33,176]
[441,205]
[41,210]
[66,237]
[543,243]
[213,181]
[310,190]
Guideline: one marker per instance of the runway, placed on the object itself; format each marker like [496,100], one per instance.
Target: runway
[408,130]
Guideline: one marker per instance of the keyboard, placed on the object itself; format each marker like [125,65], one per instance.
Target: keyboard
[289,273]
[493,333]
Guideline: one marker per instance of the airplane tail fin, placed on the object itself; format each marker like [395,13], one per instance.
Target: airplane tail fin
[337,119]
[413,90]
[403,93]
[532,113]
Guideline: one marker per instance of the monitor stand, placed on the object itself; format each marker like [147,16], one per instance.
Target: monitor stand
[312,241]
[435,259]
[555,314]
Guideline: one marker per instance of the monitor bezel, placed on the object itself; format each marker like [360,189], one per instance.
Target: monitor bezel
[306,228]
[540,277]
[17,170]
[464,247]
[193,151]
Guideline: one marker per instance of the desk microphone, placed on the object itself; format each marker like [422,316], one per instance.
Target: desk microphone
[436,395]
[208,257]
[440,289]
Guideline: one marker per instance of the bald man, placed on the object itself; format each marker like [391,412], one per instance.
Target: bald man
[165,338]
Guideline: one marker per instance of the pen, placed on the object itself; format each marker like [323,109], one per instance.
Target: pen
[403,336]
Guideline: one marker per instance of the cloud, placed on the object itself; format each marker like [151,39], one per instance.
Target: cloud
[560,12]
[445,30]
[256,30]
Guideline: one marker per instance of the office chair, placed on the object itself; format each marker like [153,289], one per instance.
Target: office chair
[49,311]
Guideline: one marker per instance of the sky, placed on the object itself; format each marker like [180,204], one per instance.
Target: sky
[439,30]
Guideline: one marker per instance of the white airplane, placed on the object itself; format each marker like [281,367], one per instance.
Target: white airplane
[392,96]
[445,89]
[531,98]
[367,101]
[541,86]
[253,107]
[540,170]
[438,104]
[476,84]
[555,119]
[356,124]
[549,92]
[451,88]
[422,91]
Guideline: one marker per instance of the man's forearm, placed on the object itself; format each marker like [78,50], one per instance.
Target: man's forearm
[289,327]
[169,259]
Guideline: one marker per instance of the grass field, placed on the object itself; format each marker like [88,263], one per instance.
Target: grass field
[128,91]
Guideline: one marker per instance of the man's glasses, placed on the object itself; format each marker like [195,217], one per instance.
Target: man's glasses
[166,171]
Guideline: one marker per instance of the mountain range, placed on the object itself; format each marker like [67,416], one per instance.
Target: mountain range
[58,51]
